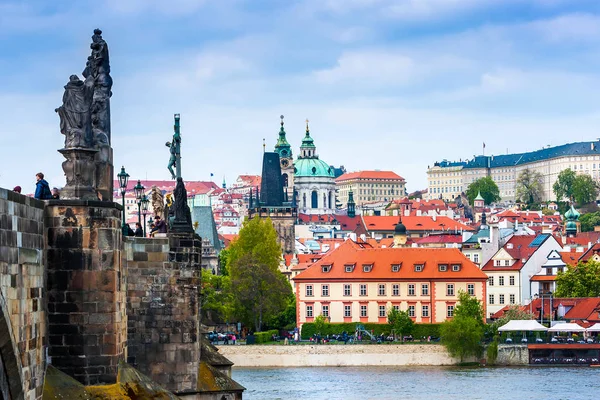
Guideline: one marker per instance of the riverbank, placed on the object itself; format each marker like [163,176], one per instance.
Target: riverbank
[355,355]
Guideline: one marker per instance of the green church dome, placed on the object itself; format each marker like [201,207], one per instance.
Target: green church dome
[572,214]
[312,167]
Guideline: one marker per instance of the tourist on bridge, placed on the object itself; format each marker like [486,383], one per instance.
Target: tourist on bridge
[139,232]
[42,189]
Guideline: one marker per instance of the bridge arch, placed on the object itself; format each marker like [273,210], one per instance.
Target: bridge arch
[11,386]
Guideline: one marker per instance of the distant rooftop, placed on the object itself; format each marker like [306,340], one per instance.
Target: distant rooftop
[506,160]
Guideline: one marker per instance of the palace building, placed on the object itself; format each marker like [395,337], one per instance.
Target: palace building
[359,283]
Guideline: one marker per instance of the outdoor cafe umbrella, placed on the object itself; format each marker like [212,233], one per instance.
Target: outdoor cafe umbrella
[594,328]
[566,327]
[524,325]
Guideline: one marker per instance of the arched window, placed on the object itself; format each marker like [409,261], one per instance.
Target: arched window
[314,201]
[284,179]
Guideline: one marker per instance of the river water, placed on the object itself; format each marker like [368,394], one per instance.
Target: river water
[420,383]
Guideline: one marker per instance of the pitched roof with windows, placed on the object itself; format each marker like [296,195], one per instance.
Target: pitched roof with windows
[382,260]
[390,175]
[414,223]
[520,248]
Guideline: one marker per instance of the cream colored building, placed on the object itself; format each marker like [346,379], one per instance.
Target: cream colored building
[370,186]
[357,283]
[448,179]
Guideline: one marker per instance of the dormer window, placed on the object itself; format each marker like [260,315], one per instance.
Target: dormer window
[418,267]
[455,267]
[395,267]
[443,267]
[326,268]
[367,267]
[349,267]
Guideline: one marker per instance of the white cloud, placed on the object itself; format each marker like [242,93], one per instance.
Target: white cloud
[169,7]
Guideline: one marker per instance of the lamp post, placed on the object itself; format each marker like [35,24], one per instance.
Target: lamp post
[145,202]
[123,180]
[139,192]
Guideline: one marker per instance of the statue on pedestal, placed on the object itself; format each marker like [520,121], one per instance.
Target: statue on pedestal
[85,122]
[183,217]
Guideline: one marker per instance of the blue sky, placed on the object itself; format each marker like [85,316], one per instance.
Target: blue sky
[386,84]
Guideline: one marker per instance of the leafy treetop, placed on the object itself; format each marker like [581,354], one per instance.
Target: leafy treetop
[488,189]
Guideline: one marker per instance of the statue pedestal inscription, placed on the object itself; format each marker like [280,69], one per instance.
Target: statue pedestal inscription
[79,171]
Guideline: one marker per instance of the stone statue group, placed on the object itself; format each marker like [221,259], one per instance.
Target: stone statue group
[85,123]
[85,113]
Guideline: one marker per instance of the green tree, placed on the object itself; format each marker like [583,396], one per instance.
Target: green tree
[400,322]
[582,280]
[529,187]
[589,221]
[488,189]
[563,187]
[216,299]
[462,335]
[286,319]
[259,290]
[514,312]
[320,322]
[585,189]
[223,257]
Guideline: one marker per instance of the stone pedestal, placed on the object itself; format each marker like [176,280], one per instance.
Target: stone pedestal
[163,287]
[86,289]
[79,169]
[104,173]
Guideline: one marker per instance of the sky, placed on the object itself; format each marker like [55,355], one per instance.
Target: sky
[386,84]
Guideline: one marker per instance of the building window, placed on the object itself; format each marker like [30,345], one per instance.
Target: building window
[395,267]
[491,280]
[491,299]
[326,268]
[397,308]
[425,290]
[511,281]
[443,267]
[325,290]
[347,311]
[418,267]
[382,311]
[512,299]
[381,290]
[309,290]
[395,290]
[349,268]
[476,258]
[367,268]
[347,290]
[456,268]
[500,299]
[471,289]
[325,311]
[501,280]
[497,263]
[363,311]
[506,263]
[450,311]
[309,311]
[363,290]
[411,311]
[411,289]
[450,289]
[548,271]
[425,311]
[314,199]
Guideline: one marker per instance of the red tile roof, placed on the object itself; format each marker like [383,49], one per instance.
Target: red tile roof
[196,187]
[570,257]
[355,224]
[414,223]
[382,259]
[585,309]
[369,175]
[543,278]
[582,238]
[308,218]
[440,239]
[519,250]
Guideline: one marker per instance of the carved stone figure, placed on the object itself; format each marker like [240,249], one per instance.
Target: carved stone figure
[158,202]
[75,114]
[183,216]
[97,75]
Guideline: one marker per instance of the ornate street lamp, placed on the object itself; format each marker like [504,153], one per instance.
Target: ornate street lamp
[145,202]
[139,192]
[123,180]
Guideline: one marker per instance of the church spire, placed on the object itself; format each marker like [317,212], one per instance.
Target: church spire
[351,205]
[283,147]
[308,148]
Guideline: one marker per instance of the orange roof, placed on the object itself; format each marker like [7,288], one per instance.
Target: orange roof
[569,257]
[414,223]
[543,278]
[381,259]
[585,309]
[369,175]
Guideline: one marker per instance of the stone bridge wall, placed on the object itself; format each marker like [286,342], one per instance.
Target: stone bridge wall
[23,310]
